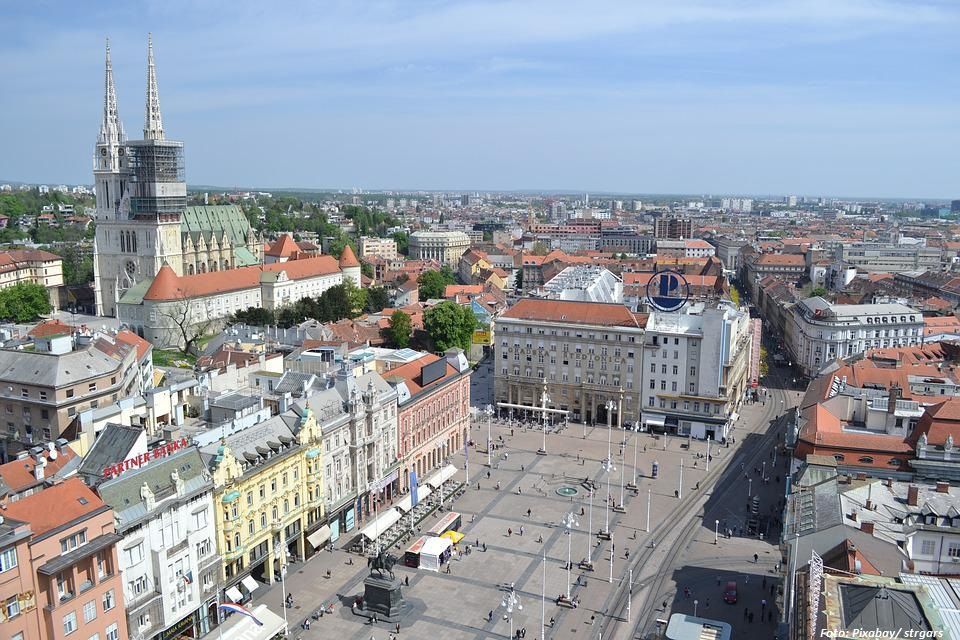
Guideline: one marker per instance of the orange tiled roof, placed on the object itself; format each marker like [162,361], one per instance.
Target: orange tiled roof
[611,315]
[18,474]
[49,328]
[781,259]
[55,506]
[129,337]
[410,373]
[167,285]
[284,247]
[348,258]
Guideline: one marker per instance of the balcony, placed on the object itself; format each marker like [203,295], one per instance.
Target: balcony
[276,525]
[237,552]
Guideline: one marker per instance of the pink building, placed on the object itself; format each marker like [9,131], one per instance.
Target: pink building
[434,415]
[67,567]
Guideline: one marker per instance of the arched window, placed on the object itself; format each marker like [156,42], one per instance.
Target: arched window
[190,269]
[838,457]
[866,459]
[894,462]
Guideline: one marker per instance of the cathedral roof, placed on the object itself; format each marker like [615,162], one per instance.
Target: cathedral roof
[284,247]
[165,286]
[348,258]
[204,220]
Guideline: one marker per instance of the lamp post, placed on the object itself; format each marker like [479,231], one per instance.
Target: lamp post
[708,454]
[439,448]
[623,464]
[510,602]
[680,487]
[608,468]
[590,526]
[489,412]
[749,487]
[281,555]
[649,495]
[636,444]
[610,578]
[544,399]
[569,521]
[543,592]
[716,532]
[695,603]
[763,474]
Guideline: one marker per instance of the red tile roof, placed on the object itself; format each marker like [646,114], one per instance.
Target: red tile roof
[167,285]
[611,315]
[129,337]
[284,247]
[348,258]
[410,373]
[452,290]
[49,328]
[781,260]
[938,422]
[18,474]
[55,506]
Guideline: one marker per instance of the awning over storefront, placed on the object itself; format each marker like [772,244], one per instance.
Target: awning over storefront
[383,522]
[441,476]
[405,504]
[242,627]
[655,419]
[234,594]
[319,537]
[249,583]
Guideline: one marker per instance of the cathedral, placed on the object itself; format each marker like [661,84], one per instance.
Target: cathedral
[142,217]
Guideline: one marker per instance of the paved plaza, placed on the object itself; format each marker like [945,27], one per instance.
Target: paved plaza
[677,557]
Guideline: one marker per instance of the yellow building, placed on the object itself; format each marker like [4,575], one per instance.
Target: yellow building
[269,494]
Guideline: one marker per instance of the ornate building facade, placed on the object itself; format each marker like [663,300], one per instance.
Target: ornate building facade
[143,220]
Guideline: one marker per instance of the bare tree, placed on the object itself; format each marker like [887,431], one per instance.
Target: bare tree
[183,315]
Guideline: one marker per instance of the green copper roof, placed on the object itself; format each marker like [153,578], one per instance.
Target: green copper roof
[134,295]
[227,218]
[244,257]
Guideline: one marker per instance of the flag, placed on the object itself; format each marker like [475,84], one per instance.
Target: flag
[235,608]
[187,578]
[413,489]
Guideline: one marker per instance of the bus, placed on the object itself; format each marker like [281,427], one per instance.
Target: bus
[449,522]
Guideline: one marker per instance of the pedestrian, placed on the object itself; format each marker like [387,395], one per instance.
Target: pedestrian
[484,547]
[529,512]
[756,558]
[490,616]
[521,530]
[509,531]
[750,619]
[406,581]
[398,628]
[763,605]
[764,582]
[488,474]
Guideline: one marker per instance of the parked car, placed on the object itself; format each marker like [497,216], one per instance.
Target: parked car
[730,592]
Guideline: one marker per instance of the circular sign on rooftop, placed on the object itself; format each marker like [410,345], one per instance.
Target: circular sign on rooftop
[667,290]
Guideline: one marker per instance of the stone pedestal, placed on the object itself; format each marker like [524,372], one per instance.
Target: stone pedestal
[383,597]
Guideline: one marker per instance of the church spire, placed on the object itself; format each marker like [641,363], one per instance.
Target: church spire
[153,124]
[111,129]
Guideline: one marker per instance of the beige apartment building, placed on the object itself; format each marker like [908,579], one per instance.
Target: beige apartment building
[32,265]
[385,248]
[585,354]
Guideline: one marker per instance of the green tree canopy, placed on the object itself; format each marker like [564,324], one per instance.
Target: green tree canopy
[378,298]
[818,291]
[450,325]
[403,242]
[254,316]
[433,283]
[24,302]
[400,330]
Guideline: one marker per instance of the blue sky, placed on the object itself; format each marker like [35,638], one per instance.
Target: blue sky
[812,97]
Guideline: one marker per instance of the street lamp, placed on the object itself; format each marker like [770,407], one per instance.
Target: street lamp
[695,603]
[590,526]
[569,521]
[716,531]
[544,399]
[510,602]
[680,487]
[489,412]
[608,469]
[281,555]
[708,454]
[749,487]
[649,495]
[439,448]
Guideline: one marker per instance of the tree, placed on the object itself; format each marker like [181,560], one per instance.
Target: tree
[403,242]
[400,330]
[378,298]
[518,279]
[366,269]
[539,249]
[254,316]
[818,291]
[190,319]
[24,302]
[450,325]
[433,283]
[764,365]
[734,295]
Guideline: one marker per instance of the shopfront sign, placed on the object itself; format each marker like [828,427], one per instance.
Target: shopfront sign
[142,459]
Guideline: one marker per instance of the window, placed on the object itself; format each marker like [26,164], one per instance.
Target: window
[12,607]
[200,517]
[69,623]
[928,547]
[72,542]
[69,393]
[866,460]
[133,555]
[92,387]
[90,611]
[110,601]
[8,559]
[693,371]
[953,550]
[113,632]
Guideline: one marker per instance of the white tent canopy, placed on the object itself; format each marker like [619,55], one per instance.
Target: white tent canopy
[406,504]
[241,627]
[441,476]
[383,522]
[431,551]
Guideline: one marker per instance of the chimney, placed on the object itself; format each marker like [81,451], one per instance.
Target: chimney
[869,505]
[867,527]
[943,487]
[892,398]
[38,468]
[889,483]
[913,495]
[861,476]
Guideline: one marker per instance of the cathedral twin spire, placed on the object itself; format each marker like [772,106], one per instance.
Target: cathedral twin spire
[111,129]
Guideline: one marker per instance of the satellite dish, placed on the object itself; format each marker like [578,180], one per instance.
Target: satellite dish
[53,454]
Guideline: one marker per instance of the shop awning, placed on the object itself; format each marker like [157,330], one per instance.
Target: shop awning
[319,537]
[405,504]
[234,594]
[441,476]
[249,583]
[383,522]
[655,419]
[242,627]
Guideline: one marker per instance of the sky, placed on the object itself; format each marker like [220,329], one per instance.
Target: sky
[807,97]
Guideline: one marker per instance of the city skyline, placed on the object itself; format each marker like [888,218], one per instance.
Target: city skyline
[824,98]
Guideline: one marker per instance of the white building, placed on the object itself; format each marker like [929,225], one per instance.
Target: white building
[168,555]
[819,332]
[444,246]
[686,248]
[584,283]
[386,248]
[695,369]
